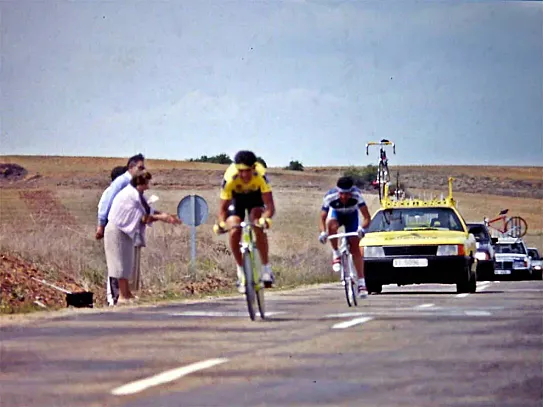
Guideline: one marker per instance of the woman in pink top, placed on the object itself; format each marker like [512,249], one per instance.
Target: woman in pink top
[127,220]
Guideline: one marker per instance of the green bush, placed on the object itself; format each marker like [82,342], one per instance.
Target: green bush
[363,176]
[216,159]
[295,166]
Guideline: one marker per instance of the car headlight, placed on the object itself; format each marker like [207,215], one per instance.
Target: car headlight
[482,256]
[448,250]
[374,251]
[537,268]
[520,264]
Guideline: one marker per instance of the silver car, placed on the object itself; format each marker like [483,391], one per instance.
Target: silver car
[512,260]
[537,263]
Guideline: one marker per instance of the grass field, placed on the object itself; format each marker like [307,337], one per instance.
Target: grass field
[52,223]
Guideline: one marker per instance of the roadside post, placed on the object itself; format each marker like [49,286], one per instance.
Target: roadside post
[193,211]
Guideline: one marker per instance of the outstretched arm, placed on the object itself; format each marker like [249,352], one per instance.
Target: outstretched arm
[267,197]
[366,214]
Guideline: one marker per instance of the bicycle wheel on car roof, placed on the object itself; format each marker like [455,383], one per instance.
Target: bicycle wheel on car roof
[516,226]
[381,182]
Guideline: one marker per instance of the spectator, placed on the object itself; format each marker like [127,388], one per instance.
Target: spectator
[128,217]
[120,177]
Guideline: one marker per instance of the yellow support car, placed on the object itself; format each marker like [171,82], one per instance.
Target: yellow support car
[419,242]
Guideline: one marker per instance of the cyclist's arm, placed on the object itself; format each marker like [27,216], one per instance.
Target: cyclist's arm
[226,198]
[267,197]
[366,215]
[223,209]
[324,215]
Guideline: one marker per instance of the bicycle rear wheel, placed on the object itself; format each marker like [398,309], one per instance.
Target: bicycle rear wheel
[516,226]
[250,294]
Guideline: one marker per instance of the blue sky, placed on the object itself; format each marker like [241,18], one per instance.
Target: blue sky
[450,82]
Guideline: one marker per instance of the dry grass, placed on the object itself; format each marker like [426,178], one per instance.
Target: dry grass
[296,256]
[43,237]
[479,171]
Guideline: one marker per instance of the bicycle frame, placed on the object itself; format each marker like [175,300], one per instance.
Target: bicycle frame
[348,279]
[253,285]
[514,226]
[501,217]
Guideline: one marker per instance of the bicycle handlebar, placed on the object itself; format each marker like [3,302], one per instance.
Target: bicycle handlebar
[386,143]
[340,235]
[244,224]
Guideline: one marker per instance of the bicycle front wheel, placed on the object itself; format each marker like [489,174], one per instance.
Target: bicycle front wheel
[516,226]
[354,280]
[250,294]
[259,285]
[347,283]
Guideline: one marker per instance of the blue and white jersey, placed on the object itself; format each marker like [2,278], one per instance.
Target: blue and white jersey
[331,200]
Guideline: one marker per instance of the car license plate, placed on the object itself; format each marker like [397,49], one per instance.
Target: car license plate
[502,271]
[410,263]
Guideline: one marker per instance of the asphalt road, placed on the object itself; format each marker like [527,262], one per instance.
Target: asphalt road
[411,346]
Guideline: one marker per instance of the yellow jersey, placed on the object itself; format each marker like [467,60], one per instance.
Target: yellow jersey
[232,183]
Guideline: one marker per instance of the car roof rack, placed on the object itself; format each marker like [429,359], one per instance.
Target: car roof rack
[448,201]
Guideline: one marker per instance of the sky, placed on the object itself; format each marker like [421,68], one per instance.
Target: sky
[450,82]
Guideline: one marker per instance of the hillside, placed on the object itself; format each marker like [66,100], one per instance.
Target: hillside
[93,172]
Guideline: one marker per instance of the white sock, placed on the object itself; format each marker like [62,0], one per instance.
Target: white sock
[336,253]
[266,267]
[239,270]
[362,282]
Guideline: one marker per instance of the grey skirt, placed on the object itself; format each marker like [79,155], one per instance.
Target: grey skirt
[119,248]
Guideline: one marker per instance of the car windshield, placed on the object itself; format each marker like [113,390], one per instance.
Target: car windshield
[409,219]
[515,248]
[533,253]
[479,232]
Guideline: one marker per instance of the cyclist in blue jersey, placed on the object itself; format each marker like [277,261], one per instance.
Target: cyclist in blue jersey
[341,206]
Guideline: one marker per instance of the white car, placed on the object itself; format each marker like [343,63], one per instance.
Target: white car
[512,260]
[537,262]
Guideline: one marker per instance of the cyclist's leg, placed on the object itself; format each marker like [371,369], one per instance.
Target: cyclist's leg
[255,205]
[351,225]
[236,214]
[333,224]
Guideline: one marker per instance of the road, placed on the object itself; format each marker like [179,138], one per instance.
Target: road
[411,346]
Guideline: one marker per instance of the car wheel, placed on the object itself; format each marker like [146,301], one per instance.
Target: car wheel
[469,285]
[374,288]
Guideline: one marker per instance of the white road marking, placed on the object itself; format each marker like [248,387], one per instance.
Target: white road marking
[424,306]
[352,322]
[483,287]
[216,314]
[463,295]
[165,377]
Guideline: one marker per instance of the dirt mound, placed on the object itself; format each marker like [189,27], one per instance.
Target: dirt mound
[12,172]
[20,291]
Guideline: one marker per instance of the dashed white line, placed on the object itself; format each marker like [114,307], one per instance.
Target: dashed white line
[165,377]
[421,306]
[352,322]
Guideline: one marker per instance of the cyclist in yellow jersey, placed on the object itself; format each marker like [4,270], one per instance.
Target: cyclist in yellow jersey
[246,186]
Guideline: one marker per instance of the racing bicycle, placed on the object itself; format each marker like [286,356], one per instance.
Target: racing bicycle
[254,287]
[383,174]
[348,272]
[514,226]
